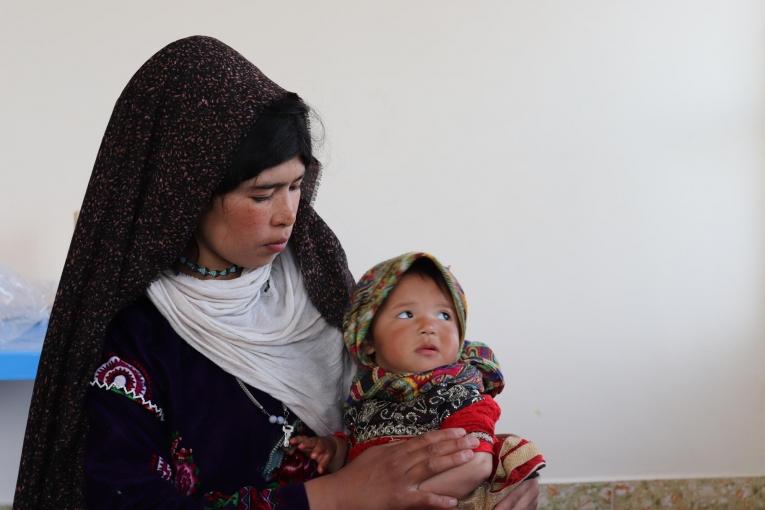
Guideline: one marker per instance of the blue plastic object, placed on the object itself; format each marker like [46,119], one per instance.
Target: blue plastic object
[19,357]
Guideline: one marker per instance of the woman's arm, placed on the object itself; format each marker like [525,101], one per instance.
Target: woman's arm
[130,463]
[138,453]
[127,463]
[389,477]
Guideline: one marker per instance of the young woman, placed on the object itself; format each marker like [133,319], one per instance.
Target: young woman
[196,325]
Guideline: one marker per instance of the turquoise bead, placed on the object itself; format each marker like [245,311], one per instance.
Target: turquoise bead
[215,273]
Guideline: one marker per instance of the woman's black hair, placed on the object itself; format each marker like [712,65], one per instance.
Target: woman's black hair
[281,132]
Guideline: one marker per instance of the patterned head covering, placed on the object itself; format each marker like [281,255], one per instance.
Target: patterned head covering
[373,381]
[372,291]
[172,136]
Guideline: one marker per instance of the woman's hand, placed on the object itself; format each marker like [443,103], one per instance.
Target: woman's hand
[387,477]
[524,497]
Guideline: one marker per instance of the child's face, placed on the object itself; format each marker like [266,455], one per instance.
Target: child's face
[416,328]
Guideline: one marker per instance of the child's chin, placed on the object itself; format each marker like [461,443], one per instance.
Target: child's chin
[427,367]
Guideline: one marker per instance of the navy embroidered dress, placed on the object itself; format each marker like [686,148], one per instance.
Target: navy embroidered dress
[170,429]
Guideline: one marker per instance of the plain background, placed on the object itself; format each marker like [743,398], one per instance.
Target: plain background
[592,170]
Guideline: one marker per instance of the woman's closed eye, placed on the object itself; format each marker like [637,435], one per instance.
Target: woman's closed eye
[406,314]
[294,187]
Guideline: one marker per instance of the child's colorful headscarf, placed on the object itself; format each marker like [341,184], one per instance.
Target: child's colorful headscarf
[368,296]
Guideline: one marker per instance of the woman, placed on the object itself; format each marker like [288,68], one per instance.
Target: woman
[173,309]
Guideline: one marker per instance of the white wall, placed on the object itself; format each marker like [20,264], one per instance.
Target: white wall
[592,170]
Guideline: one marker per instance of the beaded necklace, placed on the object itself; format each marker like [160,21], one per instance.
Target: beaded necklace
[272,418]
[204,271]
[276,456]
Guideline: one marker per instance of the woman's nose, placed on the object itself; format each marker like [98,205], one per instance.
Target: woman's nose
[285,211]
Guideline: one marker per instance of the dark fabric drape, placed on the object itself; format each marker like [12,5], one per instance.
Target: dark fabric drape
[172,135]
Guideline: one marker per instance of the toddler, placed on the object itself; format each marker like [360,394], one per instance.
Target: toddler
[406,329]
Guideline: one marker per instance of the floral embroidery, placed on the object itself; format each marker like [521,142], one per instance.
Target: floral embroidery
[186,471]
[370,419]
[162,467]
[295,468]
[121,377]
[246,498]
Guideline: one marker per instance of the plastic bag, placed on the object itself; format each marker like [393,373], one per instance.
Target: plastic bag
[22,304]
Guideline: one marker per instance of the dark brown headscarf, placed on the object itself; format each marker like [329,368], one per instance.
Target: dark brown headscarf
[171,137]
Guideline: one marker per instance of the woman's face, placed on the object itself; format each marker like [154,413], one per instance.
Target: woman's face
[250,225]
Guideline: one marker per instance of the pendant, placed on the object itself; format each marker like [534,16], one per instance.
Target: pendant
[287,429]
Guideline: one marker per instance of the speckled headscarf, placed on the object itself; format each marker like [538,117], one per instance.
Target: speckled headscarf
[476,365]
[171,137]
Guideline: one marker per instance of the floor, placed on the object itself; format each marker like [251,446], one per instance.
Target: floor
[695,494]
[706,494]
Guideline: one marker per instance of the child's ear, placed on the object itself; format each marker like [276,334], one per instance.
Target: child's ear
[369,348]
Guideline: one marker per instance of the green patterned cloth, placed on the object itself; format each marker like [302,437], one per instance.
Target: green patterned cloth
[476,360]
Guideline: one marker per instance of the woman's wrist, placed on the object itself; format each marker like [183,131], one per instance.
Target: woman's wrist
[322,493]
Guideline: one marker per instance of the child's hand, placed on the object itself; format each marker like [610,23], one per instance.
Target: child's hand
[321,449]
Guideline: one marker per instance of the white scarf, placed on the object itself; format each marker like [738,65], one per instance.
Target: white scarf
[274,339]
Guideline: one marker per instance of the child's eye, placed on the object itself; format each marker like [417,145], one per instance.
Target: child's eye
[406,314]
[444,316]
